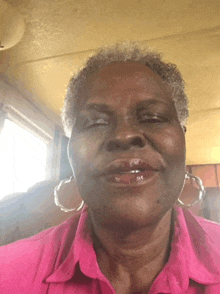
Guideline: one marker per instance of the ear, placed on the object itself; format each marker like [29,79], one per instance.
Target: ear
[70,157]
[184,129]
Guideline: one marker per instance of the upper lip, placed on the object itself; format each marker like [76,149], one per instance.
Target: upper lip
[127,165]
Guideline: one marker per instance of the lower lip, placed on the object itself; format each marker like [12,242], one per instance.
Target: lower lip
[130,179]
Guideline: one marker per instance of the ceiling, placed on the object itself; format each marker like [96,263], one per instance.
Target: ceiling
[60,35]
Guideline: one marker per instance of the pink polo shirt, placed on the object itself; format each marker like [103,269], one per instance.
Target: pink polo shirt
[62,260]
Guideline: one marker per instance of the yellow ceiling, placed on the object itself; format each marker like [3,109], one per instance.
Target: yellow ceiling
[59,35]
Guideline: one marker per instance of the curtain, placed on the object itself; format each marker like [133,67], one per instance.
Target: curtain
[3,116]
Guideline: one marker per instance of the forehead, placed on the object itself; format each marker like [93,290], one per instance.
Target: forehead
[119,81]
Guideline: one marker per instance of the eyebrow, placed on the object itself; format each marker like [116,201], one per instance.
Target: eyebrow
[99,107]
[141,104]
[148,102]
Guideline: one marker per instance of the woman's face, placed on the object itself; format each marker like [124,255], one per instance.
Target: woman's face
[127,147]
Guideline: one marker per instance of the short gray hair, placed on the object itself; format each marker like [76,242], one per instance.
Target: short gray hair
[76,92]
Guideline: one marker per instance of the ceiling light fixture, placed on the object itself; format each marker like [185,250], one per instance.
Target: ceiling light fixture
[12,26]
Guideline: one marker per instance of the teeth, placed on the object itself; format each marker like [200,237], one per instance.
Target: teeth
[134,171]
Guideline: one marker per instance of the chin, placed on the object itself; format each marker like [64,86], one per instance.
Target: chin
[128,213]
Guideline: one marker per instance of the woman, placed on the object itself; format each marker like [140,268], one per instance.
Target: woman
[125,114]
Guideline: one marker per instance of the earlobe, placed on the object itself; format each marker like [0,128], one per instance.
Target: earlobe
[184,129]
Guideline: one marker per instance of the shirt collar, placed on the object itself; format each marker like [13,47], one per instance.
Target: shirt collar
[193,255]
[201,255]
[81,253]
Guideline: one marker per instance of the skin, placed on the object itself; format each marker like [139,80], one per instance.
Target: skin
[131,226]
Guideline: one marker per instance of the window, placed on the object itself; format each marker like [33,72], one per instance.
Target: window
[23,159]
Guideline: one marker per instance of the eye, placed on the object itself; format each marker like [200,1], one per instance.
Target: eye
[151,119]
[86,122]
[96,123]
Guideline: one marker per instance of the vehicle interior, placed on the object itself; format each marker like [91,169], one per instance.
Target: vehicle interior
[42,43]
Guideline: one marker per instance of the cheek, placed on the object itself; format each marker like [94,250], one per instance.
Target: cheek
[82,148]
[79,150]
[172,147]
[82,151]
[173,142]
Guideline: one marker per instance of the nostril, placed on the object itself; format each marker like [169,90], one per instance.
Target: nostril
[113,145]
[138,142]
[116,145]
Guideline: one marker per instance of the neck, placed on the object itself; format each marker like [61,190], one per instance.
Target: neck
[133,255]
[135,247]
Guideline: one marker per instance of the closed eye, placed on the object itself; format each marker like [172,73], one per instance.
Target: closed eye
[96,123]
[151,119]
[87,123]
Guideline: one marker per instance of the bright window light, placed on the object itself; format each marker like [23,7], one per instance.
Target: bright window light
[23,159]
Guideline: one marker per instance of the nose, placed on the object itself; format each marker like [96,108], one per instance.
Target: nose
[125,138]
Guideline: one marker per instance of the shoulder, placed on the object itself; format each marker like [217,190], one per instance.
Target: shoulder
[198,226]
[27,257]
[211,228]
[44,240]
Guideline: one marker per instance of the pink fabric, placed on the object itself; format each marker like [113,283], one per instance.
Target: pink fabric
[62,260]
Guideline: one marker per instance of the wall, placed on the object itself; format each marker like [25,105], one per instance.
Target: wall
[209,174]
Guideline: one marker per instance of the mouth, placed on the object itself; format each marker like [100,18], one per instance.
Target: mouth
[132,172]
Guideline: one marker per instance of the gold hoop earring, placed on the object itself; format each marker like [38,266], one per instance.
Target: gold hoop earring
[56,198]
[201,190]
